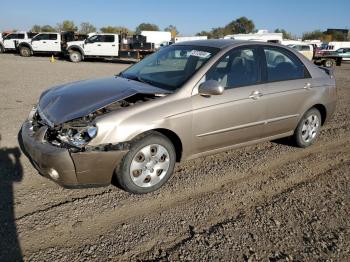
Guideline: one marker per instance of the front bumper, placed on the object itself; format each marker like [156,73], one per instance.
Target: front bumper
[69,169]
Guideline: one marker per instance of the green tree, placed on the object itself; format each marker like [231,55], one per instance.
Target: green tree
[205,33]
[86,27]
[36,28]
[146,27]
[47,28]
[337,36]
[241,25]
[286,35]
[317,34]
[116,30]
[67,25]
[172,29]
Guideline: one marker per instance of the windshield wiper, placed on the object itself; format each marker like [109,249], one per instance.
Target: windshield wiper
[137,78]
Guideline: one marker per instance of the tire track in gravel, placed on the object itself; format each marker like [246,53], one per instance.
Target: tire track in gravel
[247,200]
[60,234]
[230,221]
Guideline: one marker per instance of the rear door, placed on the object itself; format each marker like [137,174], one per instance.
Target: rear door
[236,116]
[101,45]
[288,87]
[46,42]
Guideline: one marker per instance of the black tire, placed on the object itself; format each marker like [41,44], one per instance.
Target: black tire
[329,63]
[25,51]
[299,133]
[123,175]
[75,56]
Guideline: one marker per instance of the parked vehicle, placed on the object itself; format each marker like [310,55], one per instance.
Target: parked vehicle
[260,36]
[97,45]
[103,45]
[156,37]
[344,53]
[179,39]
[10,41]
[335,45]
[306,50]
[52,43]
[184,101]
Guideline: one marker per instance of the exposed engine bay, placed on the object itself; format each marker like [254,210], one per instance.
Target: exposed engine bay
[76,134]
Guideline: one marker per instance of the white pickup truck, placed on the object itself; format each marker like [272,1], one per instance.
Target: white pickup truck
[96,46]
[9,42]
[52,43]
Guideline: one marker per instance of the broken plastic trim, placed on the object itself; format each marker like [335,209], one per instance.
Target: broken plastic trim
[103,148]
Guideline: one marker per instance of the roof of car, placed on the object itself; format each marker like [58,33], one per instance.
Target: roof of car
[218,43]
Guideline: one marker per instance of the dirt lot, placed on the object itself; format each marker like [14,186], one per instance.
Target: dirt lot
[269,202]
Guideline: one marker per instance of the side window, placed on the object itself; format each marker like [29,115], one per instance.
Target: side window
[20,36]
[42,37]
[108,38]
[305,48]
[238,68]
[52,36]
[11,36]
[282,65]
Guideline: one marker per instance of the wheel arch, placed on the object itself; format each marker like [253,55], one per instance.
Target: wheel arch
[25,45]
[76,49]
[323,111]
[171,135]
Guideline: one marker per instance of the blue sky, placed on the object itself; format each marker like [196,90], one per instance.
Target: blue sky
[296,16]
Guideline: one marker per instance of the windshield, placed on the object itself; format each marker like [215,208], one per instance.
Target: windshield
[170,67]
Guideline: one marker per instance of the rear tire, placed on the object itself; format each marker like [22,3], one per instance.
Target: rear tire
[308,128]
[25,51]
[329,63]
[75,56]
[148,165]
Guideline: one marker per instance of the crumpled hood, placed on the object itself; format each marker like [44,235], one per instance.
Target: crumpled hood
[67,102]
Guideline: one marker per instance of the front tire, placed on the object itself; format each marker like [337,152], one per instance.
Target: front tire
[148,165]
[25,51]
[308,128]
[75,56]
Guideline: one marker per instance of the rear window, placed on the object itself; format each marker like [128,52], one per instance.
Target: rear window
[282,65]
[108,38]
[52,36]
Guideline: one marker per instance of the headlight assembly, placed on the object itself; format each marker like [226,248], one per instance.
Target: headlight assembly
[79,136]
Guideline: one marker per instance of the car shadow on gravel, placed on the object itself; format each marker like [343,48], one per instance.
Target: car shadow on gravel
[11,171]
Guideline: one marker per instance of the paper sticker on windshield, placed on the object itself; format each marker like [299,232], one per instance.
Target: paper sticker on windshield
[198,53]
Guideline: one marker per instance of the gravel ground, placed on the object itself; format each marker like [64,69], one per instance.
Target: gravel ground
[267,202]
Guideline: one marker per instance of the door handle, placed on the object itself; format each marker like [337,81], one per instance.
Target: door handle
[307,86]
[44,42]
[113,45]
[255,95]
[98,45]
[56,42]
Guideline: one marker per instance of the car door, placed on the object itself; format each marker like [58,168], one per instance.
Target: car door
[109,47]
[288,87]
[236,116]
[46,42]
[101,45]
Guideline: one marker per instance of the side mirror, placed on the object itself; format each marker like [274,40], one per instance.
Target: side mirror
[210,88]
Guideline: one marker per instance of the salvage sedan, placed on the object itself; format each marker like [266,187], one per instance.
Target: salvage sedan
[185,101]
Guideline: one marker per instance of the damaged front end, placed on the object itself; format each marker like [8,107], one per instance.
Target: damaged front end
[62,151]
